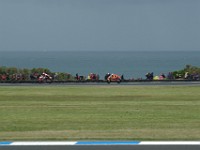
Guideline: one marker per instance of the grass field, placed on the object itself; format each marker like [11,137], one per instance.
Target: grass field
[99,113]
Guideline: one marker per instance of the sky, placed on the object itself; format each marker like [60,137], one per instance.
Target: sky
[99,25]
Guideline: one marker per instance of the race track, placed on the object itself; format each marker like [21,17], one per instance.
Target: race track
[123,145]
[146,83]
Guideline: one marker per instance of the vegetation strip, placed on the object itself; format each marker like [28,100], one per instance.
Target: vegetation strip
[41,75]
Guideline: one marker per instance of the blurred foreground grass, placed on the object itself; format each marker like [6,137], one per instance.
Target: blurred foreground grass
[100,113]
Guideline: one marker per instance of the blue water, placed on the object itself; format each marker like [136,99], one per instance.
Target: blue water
[130,64]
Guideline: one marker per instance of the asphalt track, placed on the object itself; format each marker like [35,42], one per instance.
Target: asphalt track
[105,147]
[101,145]
[147,83]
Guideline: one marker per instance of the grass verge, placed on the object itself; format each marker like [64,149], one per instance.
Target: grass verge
[100,113]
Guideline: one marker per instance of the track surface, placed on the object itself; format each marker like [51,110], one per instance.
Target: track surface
[114,147]
[147,83]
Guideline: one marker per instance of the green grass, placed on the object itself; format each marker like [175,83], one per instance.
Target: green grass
[100,113]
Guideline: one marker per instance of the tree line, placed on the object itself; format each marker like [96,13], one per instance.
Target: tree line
[12,74]
[188,72]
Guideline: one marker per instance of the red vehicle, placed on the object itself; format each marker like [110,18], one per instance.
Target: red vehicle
[93,77]
[44,77]
[3,77]
[113,78]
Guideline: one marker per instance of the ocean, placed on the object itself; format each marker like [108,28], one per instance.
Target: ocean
[130,64]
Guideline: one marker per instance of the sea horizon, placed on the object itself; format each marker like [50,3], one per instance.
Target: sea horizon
[131,64]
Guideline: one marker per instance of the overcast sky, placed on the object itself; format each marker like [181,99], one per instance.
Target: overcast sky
[94,25]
